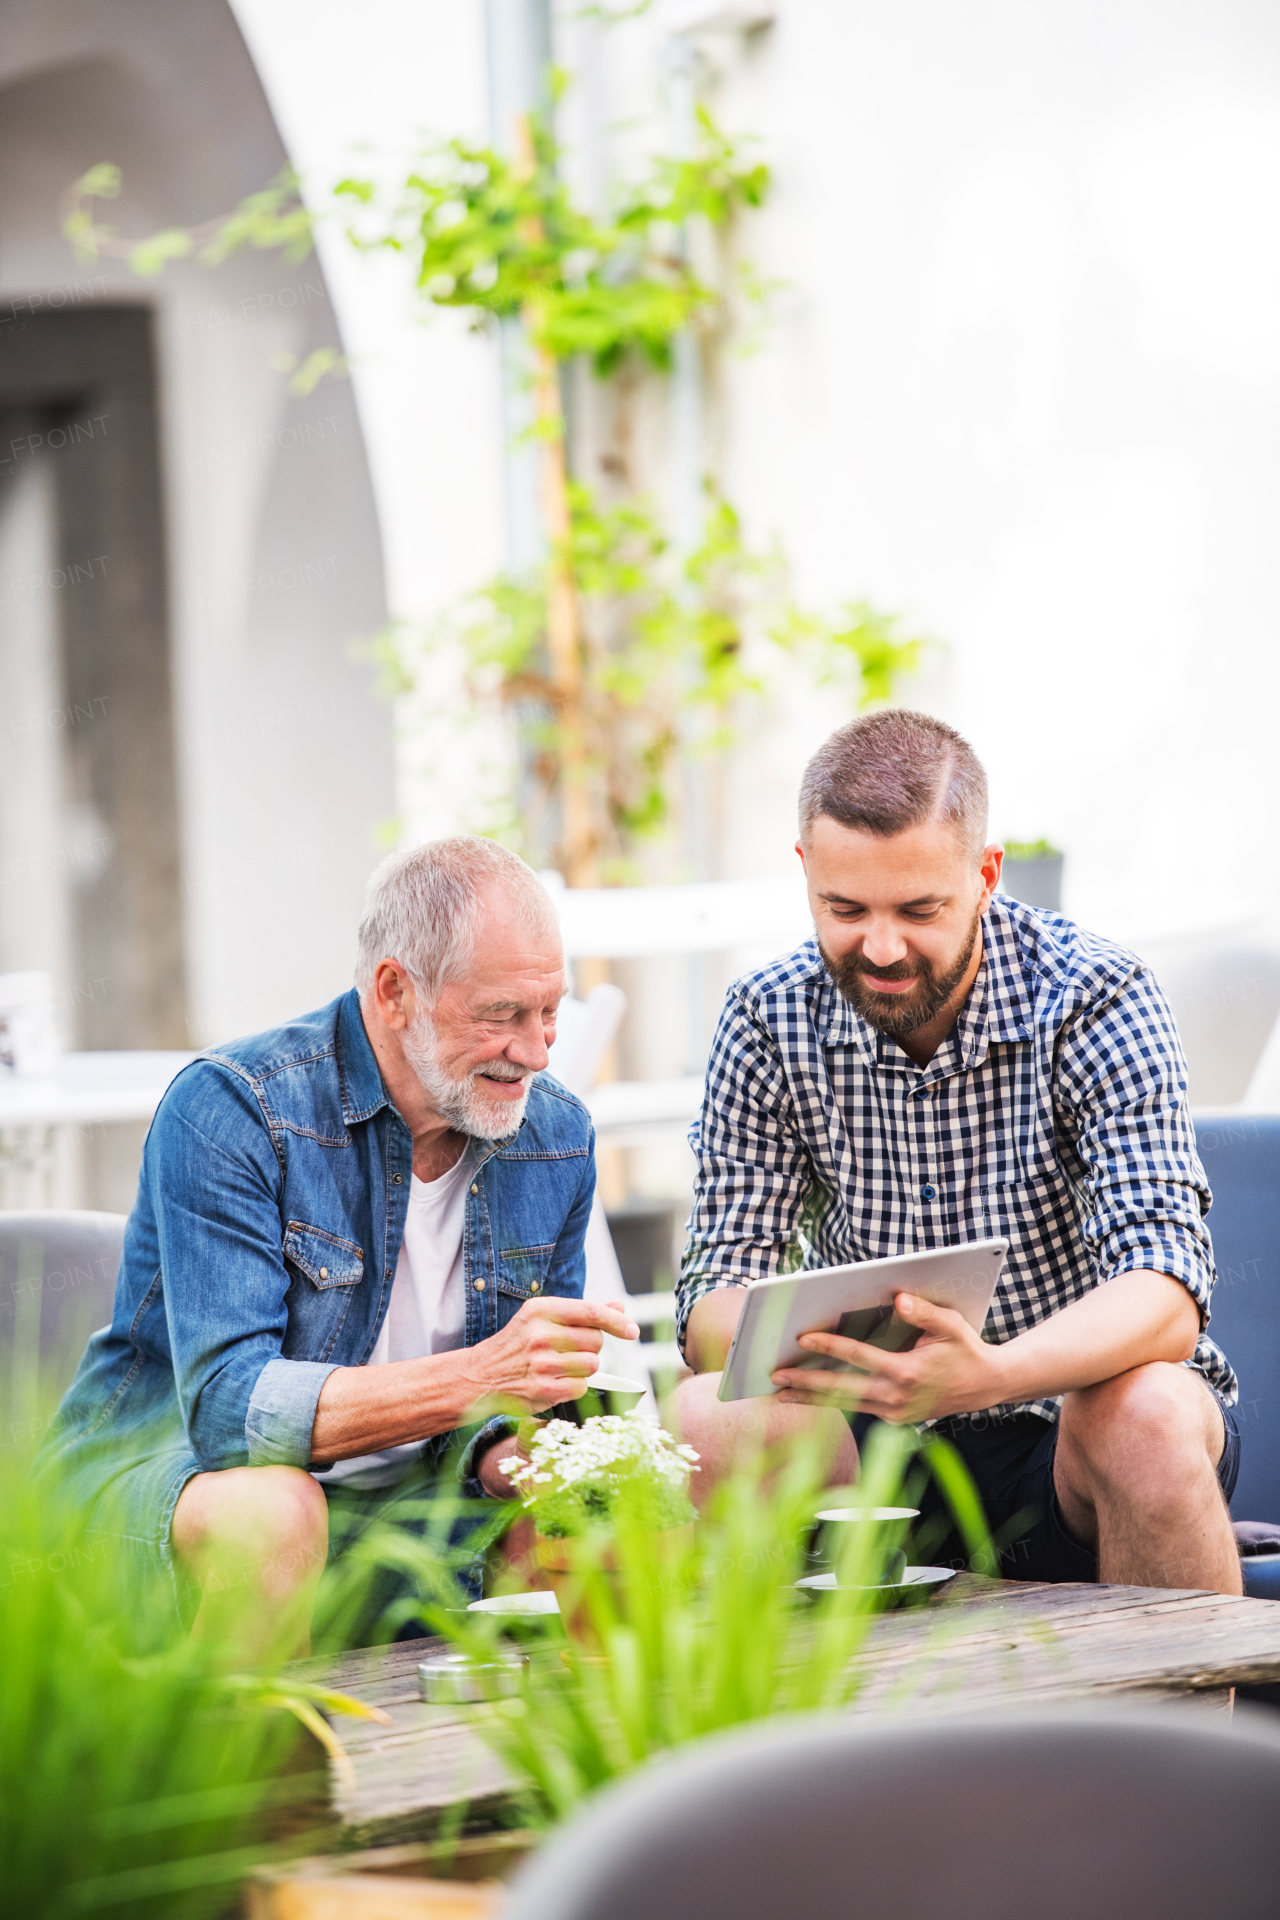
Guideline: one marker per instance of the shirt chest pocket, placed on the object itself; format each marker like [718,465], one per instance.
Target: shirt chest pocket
[323,1258]
[522,1275]
[1037,1208]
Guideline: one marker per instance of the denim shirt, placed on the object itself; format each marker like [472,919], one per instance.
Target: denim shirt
[262,1246]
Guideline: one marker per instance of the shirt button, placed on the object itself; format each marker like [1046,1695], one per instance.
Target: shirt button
[533,1287]
[479,1286]
[397,1179]
[324,1273]
[929,1192]
[475,1189]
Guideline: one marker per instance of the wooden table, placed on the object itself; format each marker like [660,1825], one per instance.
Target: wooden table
[982,1643]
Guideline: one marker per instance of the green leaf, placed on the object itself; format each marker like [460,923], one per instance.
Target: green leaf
[102,182]
[952,1475]
[150,257]
[316,367]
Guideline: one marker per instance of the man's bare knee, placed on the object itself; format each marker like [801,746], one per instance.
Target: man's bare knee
[731,1434]
[252,1542]
[280,1510]
[1156,1420]
[1146,1437]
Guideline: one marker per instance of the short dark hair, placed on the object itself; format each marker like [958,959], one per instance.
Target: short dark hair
[895,769]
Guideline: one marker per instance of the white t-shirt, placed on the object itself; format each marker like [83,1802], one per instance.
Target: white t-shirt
[428,1308]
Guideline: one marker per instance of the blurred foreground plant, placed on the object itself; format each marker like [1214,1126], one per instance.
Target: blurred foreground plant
[715,1637]
[129,1783]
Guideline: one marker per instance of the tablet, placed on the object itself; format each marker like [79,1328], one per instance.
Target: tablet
[856,1302]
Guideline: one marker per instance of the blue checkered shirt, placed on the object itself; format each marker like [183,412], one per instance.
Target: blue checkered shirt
[1054,1113]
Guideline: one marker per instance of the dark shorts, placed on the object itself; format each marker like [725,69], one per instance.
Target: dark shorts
[1011,1462]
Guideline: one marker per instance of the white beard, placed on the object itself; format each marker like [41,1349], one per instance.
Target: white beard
[463,1103]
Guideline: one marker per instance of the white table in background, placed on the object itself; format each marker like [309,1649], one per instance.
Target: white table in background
[86,1091]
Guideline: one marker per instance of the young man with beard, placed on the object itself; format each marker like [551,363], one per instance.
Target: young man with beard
[942,1065]
[355,1236]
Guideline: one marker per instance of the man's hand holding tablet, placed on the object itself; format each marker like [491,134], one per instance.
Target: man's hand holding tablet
[951,1369]
[904,1336]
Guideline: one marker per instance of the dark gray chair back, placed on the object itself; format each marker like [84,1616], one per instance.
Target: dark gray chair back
[1058,1815]
[1241,1155]
[57,1283]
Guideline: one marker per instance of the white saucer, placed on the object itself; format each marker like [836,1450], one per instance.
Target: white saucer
[868,1513]
[913,1577]
[517,1603]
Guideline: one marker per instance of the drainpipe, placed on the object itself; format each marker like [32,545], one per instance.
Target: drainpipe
[686,65]
[518,37]
[682,62]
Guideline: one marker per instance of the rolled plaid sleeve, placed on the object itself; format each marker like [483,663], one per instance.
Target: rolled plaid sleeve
[754,1176]
[1122,1093]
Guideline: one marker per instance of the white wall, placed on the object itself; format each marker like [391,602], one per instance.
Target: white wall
[1040,365]
[363,101]
[1022,382]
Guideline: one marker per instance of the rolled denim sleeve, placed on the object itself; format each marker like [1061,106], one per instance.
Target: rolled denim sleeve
[503,1426]
[215,1180]
[282,1412]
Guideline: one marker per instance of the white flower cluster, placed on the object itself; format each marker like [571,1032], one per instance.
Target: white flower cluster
[610,1448]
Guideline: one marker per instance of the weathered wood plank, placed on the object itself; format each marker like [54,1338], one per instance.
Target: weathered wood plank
[985,1643]
[1185,1643]
[376,1675]
[403,1786]
[367,1897]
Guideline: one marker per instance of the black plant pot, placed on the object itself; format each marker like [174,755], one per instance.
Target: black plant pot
[1037,883]
[642,1232]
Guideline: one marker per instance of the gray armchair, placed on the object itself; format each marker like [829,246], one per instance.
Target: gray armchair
[1241,1155]
[1151,1814]
[57,1282]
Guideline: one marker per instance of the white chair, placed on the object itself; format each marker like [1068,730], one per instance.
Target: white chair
[1224,989]
[752,919]
[585,1031]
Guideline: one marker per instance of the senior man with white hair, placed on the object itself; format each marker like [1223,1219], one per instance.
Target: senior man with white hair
[355,1236]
